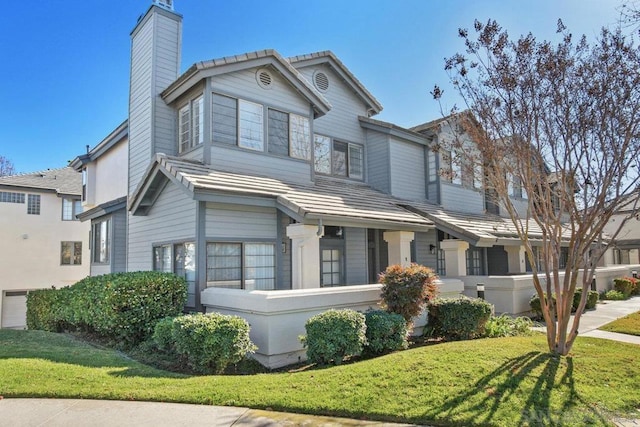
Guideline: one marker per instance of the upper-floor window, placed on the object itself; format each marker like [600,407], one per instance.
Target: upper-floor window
[33,204]
[455,170]
[514,188]
[190,124]
[84,184]
[8,197]
[101,239]
[70,208]
[338,158]
[70,253]
[289,134]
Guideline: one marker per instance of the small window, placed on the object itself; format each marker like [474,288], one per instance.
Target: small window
[101,241]
[71,253]
[33,204]
[7,197]
[70,208]
[331,267]
[162,259]
[190,124]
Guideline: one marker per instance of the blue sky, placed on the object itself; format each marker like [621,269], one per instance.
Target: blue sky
[64,82]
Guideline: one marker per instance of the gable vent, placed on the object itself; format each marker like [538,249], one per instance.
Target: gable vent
[321,81]
[264,78]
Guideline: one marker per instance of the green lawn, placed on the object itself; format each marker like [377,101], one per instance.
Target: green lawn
[503,381]
[629,325]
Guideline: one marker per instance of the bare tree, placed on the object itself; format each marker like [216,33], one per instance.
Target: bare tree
[6,167]
[563,121]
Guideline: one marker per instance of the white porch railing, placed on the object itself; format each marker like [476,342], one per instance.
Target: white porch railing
[277,318]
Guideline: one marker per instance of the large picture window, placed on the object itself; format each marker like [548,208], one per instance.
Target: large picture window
[241,266]
[338,158]
[101,239]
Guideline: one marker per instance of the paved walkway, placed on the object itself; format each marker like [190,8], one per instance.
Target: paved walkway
[107,413]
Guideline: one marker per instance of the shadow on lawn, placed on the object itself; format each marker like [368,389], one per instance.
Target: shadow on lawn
[503,385]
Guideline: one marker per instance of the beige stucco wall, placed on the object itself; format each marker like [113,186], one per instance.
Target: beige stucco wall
[30,248]
[107,176]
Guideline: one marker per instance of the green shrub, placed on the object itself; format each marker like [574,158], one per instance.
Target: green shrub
[46,309]
[406,290]
[385,332]
[506,326]
[459,318]
[535,305]
[624,285]
[613,295]
[163,334]
[209,342]
[592,299]
[121,306]
[334,335]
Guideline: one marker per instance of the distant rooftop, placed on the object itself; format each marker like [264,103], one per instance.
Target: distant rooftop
[62,181]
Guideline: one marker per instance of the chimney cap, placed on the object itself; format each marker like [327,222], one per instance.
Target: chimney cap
[165,4]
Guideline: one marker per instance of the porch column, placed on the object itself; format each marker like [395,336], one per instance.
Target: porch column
[399,246]
[305,255]
[455,259]
[516,256]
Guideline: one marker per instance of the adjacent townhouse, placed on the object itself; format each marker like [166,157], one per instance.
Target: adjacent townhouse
[266,182]
[43,243]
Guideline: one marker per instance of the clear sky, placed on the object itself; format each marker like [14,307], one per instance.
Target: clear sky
[65,63]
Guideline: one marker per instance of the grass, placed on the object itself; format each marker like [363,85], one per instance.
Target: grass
[629,325]
[495,382]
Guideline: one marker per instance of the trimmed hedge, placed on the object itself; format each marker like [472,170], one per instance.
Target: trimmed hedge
[613,295]
[506,326]
[627,285]
[459,318]
[208,342]
[406,290]
[334,335]
[592,300]
[386,332]
[121,306]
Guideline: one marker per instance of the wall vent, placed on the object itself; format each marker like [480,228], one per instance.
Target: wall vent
[321,81]
[264,78]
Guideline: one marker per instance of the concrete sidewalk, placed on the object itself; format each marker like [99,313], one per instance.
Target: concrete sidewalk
[112,413]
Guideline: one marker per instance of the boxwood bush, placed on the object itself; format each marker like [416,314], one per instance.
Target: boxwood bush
[120,306]
[459,318]
[208,342]
[406,290]
[334,335]
[592,299]
[386,332]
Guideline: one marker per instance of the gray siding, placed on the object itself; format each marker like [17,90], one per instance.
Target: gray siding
[423,257]
[119,244]
[245,161]
[342,121]
[377,148]
[356,256]
[461,199]
[171,219]
[521,205]
[155,62]
[407,170]
[244,223]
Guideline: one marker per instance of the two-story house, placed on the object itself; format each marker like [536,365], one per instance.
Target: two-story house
[266,182]
[43,243]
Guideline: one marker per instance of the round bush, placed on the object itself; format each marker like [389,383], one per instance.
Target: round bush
[613,295]
[386,332]
[334,335]
[459,318]
[211,342]
[163,334]
[406,290]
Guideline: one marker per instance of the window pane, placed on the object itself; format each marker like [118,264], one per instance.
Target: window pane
[339,164]
[300,137]
[331,267]
[65,253]
[77,253]
[224,267]
[225,119]
[322,154]
[356,161]
[101,242]
[260,261]
[67,209]
[33,204]
[198,121]
[183,127]
[278,132]
[77,208]
[251,125]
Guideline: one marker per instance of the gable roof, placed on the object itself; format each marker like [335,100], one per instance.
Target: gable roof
[261,58]
[328,57]
[332,201]
[61,181]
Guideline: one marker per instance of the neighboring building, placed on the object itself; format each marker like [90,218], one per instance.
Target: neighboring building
[43,244]
[626,248]
[104,200]
[267,184]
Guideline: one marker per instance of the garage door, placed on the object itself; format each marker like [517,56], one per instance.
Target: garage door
[14,309]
